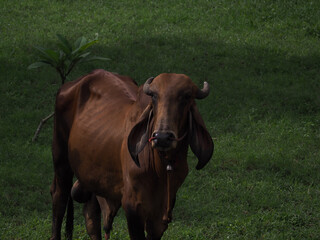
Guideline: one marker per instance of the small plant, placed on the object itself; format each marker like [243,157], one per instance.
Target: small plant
[67,56]
[63,61]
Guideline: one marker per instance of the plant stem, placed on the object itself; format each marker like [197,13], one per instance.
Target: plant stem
[43,121]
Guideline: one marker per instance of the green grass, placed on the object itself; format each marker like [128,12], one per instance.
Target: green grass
[261,59]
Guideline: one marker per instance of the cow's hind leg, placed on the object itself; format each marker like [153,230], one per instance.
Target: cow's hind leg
[109,211]
[60,192]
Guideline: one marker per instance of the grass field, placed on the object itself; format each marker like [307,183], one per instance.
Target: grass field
[262,60]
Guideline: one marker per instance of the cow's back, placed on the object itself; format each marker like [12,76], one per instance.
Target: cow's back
[93,111]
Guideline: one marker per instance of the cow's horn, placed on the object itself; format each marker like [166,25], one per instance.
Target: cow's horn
[146,86]
[204,92]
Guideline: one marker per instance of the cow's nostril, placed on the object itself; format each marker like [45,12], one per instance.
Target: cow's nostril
[170,136]
[155,135]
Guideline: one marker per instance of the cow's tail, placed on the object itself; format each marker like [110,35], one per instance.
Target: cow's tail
[69,221]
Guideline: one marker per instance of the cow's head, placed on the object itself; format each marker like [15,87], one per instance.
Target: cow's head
[174,117]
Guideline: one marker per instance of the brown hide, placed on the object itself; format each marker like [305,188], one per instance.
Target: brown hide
[95,115]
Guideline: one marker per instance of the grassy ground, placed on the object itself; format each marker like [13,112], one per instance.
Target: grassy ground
[261,59]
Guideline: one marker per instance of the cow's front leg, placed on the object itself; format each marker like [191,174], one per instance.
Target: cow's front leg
[155,228]
[92,214]
[135,222]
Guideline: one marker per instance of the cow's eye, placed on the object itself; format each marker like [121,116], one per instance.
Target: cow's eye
[185,98]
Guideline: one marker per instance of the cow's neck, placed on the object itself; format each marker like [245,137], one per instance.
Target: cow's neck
[169,189]
[170,166]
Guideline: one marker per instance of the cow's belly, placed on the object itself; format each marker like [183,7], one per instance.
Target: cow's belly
[94,156]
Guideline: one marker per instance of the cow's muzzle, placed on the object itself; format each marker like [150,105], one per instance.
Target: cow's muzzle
[163,140]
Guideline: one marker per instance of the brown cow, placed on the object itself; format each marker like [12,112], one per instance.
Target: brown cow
[128,145]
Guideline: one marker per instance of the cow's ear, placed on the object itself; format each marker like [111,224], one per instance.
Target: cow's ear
[138,136]
[200,140]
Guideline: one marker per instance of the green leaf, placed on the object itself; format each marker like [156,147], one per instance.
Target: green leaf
[85,46]
[80,42]
[43,54]
[53,54]
[84,55]
[49,55]
[64,44]
[79,56]
[37,65]
[94,58]
[63,48]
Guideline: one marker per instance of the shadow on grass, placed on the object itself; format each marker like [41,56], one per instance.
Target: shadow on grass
[242,77]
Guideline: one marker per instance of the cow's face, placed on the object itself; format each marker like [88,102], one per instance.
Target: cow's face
[172,96]
[174,116]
